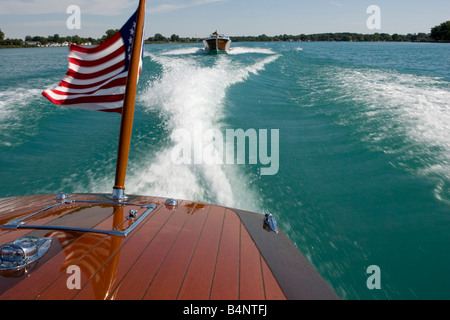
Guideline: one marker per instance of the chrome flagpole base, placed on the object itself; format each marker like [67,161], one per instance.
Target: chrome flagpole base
[119,195]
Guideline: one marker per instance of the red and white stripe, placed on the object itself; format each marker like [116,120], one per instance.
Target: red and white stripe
[96,79]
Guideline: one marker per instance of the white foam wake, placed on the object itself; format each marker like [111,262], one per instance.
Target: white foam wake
[186,51]
[235,50]
[14,107]
[188,95]
[404,115]
[244,50]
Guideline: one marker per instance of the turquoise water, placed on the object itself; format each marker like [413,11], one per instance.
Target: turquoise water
[364,147]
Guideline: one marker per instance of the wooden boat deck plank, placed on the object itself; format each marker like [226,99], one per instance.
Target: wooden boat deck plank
[226,276]
[33,204]
[272,290]
[193,251]
[168,280]
[86,259]
[138,279]
[251,286]
[44,277]
[130,250]
[198,280]
[293,272]
[76,246]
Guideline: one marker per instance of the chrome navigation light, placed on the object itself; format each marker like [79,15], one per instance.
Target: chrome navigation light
[171,202]
[61,196]
[271,223]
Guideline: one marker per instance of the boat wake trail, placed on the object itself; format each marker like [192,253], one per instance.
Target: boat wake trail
[190,97]
[404,115]
[15,122]
[233,51]
[243,50]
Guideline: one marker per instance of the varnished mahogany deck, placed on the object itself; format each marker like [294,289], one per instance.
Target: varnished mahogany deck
[193,251]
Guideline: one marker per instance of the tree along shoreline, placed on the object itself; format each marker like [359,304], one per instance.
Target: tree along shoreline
[338,37]
[438,34]
[57,41]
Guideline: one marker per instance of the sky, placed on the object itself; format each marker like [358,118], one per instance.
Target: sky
[199,18]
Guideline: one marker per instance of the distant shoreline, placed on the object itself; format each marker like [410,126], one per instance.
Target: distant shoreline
[438,34]
[174,39]
[164,42]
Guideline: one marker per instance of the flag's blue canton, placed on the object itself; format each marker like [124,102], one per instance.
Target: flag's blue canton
[127,32]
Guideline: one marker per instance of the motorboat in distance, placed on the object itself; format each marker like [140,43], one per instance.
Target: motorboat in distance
[217,43]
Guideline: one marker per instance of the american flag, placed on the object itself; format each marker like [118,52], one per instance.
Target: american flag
[97,76]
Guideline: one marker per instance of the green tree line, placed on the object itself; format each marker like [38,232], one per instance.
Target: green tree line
[441,32]
[438,33]
[56,38]
[45,40]
[345,36]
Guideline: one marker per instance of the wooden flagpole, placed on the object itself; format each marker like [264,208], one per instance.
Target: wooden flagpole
[126,125]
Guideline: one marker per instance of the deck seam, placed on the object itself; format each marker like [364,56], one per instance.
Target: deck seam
[262,272]
[261,256]
[62,274]
[193,252]
[113,292]
[168,252]
[217,256]
[128,238]
[240,258]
